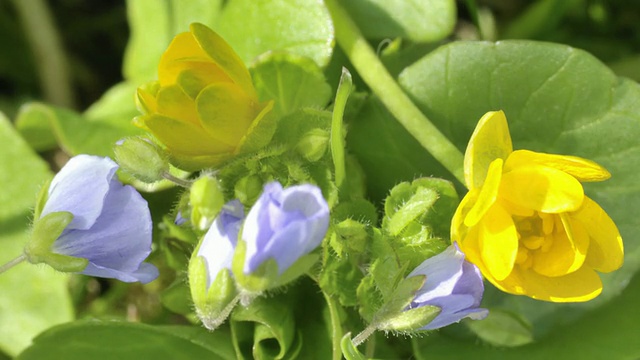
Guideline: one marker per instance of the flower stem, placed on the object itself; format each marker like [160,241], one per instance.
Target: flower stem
[373,72]
[364,335]
[176,180]
[13,263]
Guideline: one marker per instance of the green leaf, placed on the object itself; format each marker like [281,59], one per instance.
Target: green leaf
[149,25]
[557,100]
[301,27]
[123,340]
[293,81]
[153,23]
[386,151]
[94,132]
[417,20]
[609,332]
[265,329]
[349,350]
[22,310]
[502,328]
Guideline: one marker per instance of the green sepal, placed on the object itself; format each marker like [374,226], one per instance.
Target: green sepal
[142,159]
[210,301]
[401,298]
[258,281]
[297,269]
[206,198]
[46,231]
[418,216]
[267,276]
[400,216]
[41,199]
[409,320]
[349,350]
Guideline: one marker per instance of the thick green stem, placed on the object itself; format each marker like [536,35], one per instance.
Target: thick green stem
[373,72]
[336,326]
[47,50]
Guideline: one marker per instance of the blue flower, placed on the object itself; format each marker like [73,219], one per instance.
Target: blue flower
[284,225]
[452,284]
[111,225]
[219,243]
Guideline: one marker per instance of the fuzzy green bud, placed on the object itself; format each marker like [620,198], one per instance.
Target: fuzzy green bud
[206,200]
[313,144]
[141,158]
[248,189]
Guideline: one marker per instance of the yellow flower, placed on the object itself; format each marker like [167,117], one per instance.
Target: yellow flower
[204,107]
[526,222]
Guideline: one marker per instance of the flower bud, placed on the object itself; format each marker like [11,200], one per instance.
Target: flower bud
[141,158]
[210,279]
[280,231]
[206,200]
[313,145]
[452,284]
[204,107]
[92,224]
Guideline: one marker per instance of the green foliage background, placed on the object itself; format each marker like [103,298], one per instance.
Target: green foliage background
[564,72]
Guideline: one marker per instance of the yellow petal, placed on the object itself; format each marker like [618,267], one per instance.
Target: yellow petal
[498,240]
[197,75]
[260,131]
[581,285]
[182,137]
[146,98]
[223,55]
[567,252]
[490,141]
[470,246]
[542,189]
[174,103]
[198,162]
[582,169]
[488,194]
[183,49]
[606,251]
[458,229]
[226,112]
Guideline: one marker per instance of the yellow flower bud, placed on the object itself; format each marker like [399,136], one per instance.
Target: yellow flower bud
[203,108]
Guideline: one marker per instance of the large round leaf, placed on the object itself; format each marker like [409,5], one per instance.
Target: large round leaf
[302,27]
[121,340]
[557,99]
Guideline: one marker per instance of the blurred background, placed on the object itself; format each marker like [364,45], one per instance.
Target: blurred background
[81,43]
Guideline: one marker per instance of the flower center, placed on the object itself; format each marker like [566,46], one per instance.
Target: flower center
[535,234]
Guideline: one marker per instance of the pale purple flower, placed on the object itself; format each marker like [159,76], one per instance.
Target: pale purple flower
[284,225]
[111,225]
[220,241]
[453,284]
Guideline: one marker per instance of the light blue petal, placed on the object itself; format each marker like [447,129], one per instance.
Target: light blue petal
[442,271]
[146,273]
[284,225]
[219,243]
[80,188]
[120,239]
